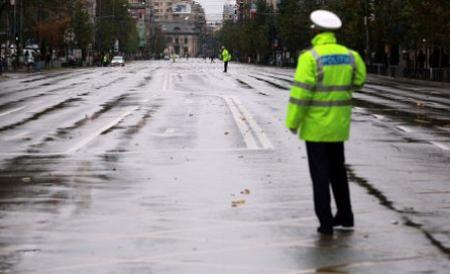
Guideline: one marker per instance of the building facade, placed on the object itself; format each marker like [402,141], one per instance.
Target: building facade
[183,25]
[140,11]
[229,12]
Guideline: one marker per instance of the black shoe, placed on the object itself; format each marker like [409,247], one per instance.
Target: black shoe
[325,230]
[347,223]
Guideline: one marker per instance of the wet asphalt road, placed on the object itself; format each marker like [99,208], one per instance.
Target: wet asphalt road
[180,168]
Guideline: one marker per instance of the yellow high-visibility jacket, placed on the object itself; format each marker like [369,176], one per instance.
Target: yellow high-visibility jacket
[225,55]
[320,102]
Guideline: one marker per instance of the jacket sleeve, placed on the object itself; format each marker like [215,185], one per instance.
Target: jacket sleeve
[301,91]
[360,73]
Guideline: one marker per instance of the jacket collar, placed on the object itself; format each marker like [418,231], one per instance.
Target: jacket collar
[324,38]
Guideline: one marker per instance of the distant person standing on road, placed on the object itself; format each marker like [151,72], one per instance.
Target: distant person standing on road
[105,60]
[2,63]
[225,56]
[29,57]
[319,111]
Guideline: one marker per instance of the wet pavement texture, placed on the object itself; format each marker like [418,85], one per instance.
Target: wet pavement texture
[180,168]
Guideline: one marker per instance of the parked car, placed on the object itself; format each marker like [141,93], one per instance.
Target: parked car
[118,61]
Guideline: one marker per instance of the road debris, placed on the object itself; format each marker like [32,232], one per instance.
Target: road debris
[237,203]
[245,192]
[26,179]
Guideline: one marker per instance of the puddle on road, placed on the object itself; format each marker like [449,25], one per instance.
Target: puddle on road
[46,77]
[370,189]
[384,201]
[278,86]
[61,105]
[418,104]
[110,83]
[414,118]
[63,132]
[21,176]
[134,129]
[110,105]
[290,82]
[244,84]
[420,89]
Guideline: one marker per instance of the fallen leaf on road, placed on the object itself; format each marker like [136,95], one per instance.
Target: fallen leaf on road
[237,203]
[26,179]
[226,133]
[245,192]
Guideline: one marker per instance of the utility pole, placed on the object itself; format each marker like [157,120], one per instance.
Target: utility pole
[366,26]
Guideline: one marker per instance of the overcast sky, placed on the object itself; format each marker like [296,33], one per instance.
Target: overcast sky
[214,8]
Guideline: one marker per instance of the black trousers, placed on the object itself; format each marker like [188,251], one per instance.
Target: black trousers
[225,66]
[327,166]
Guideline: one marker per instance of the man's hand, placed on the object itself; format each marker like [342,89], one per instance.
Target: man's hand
[293,131]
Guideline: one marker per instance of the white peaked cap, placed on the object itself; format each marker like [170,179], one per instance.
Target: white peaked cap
[326,20]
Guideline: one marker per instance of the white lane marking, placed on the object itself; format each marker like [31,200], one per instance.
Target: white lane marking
[266,144]
[15,136]
[405,129]
[91,137]
[166,82]
[243,127]
[440,145]
[11,111]
[169,132]
[245,122]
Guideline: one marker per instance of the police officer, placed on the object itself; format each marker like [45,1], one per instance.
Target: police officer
[319,111]
[225,56]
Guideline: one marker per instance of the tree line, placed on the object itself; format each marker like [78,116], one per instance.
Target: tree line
[382,31]
[62,24]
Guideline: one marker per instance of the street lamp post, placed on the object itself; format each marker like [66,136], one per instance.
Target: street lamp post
[366,26]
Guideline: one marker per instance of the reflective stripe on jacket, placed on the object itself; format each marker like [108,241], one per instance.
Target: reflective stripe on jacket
[320,102]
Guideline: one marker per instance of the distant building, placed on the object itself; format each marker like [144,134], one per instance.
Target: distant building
[243,8]
[246,9]
[229,12]
[183,24]
[140,11]
[183,38]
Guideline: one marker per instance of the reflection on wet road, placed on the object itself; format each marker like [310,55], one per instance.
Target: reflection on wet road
[179,168]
